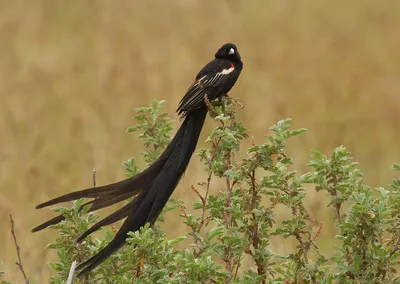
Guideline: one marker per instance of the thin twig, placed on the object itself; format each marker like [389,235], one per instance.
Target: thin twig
[205,198]
[382,272]
[395,249]
[19,262]
[318,232]
[194,189]
[236,270]
[71,273]
[255,238]
[94,177]
[303,246]
[338,206]
[204,201]
[228,220]
[80,257]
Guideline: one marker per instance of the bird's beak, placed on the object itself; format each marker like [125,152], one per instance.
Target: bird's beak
[231,51]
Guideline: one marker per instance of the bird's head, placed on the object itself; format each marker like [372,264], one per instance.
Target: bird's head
[228,51]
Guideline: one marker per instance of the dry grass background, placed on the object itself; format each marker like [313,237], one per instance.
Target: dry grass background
[72,71]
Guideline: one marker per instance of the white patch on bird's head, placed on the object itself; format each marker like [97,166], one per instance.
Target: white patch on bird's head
[231,51]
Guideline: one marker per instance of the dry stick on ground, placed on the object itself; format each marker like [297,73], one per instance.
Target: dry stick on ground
[19,262]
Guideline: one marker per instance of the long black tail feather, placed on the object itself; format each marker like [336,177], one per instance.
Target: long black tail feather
[114,217]
[151,188]
[96,204]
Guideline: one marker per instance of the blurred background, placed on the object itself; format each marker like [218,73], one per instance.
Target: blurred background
[71,73]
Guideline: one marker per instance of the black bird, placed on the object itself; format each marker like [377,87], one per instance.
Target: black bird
[153,187]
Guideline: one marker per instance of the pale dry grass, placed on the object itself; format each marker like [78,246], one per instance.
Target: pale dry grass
[71,72]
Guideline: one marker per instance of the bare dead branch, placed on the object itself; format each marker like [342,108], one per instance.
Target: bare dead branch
[19,262]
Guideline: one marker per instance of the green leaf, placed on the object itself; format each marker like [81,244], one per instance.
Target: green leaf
[297,131]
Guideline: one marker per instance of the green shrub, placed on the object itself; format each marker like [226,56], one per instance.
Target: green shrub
[236,224]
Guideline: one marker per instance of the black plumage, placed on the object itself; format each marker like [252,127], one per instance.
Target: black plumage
[153,187]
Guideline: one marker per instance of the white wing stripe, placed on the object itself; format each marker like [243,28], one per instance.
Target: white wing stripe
[227,71]
[195,94]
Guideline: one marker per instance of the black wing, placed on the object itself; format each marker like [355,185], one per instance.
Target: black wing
[211,81]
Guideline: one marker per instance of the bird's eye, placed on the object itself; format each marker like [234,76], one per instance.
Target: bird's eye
[231,51]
